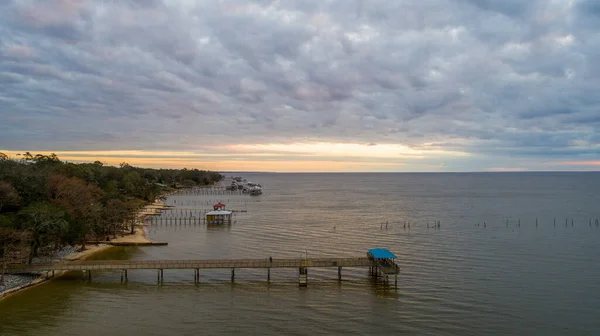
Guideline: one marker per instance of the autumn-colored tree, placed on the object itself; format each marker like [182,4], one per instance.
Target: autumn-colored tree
[79,199]
[8,195]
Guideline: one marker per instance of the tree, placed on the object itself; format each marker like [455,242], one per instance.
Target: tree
[8,239]
[115,213]
[27,157]
[8,195]
[45,224]
[132,207]
[45,159]
[79,199]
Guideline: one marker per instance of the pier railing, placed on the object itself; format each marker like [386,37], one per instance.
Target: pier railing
[190,264]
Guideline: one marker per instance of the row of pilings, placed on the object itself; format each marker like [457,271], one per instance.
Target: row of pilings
[513,223]
[207,203]
[209,191]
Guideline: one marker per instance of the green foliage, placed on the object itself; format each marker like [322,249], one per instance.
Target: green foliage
[8,221]
[56,202]
[45,225]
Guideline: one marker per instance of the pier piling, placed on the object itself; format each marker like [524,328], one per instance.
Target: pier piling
[340,273]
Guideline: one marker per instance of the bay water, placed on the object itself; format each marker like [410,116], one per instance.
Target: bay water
[487,270]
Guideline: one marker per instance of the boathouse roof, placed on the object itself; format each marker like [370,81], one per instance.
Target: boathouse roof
[219,205]
[381,253]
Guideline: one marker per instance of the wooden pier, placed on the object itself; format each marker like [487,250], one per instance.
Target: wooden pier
[377,268]
[112,243]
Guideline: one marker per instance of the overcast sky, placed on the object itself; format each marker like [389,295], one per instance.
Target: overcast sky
[304,85]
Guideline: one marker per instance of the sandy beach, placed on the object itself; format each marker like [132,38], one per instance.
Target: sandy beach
[139,236]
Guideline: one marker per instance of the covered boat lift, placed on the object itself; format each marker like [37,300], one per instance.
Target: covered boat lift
[384,263]
[219,215]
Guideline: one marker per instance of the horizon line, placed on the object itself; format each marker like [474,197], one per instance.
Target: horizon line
[412,172]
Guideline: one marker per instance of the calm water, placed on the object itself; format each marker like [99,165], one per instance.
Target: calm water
[462,279]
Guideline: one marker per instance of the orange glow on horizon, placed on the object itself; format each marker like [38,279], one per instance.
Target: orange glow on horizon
[195,161]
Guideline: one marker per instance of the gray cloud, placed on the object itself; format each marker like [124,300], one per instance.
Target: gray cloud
[487,77]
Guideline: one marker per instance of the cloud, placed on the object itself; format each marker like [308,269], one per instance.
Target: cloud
[491,79]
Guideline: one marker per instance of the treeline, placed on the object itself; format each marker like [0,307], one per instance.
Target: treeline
[46,203]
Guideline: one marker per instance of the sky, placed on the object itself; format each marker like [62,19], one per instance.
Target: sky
[304,85]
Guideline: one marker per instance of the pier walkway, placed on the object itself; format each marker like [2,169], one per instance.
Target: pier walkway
[87,266]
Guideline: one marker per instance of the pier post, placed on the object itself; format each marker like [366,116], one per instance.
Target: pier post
[53,273]
[303,276]
[269,274]
[340,273]
[122,275]
[232,274]
[396,281]
[89,275]
[126,279]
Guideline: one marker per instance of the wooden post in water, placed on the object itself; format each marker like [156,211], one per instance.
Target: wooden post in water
[303,276]
[122,275]
[232,274]
[269,274]
[126,279]
[340,273]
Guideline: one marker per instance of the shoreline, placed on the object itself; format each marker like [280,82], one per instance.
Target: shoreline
[139,236]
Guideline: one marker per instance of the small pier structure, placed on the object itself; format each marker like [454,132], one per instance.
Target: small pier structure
[379,262]
[383,264]
[219,215]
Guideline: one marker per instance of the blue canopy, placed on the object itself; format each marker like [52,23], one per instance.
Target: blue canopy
[381,253]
